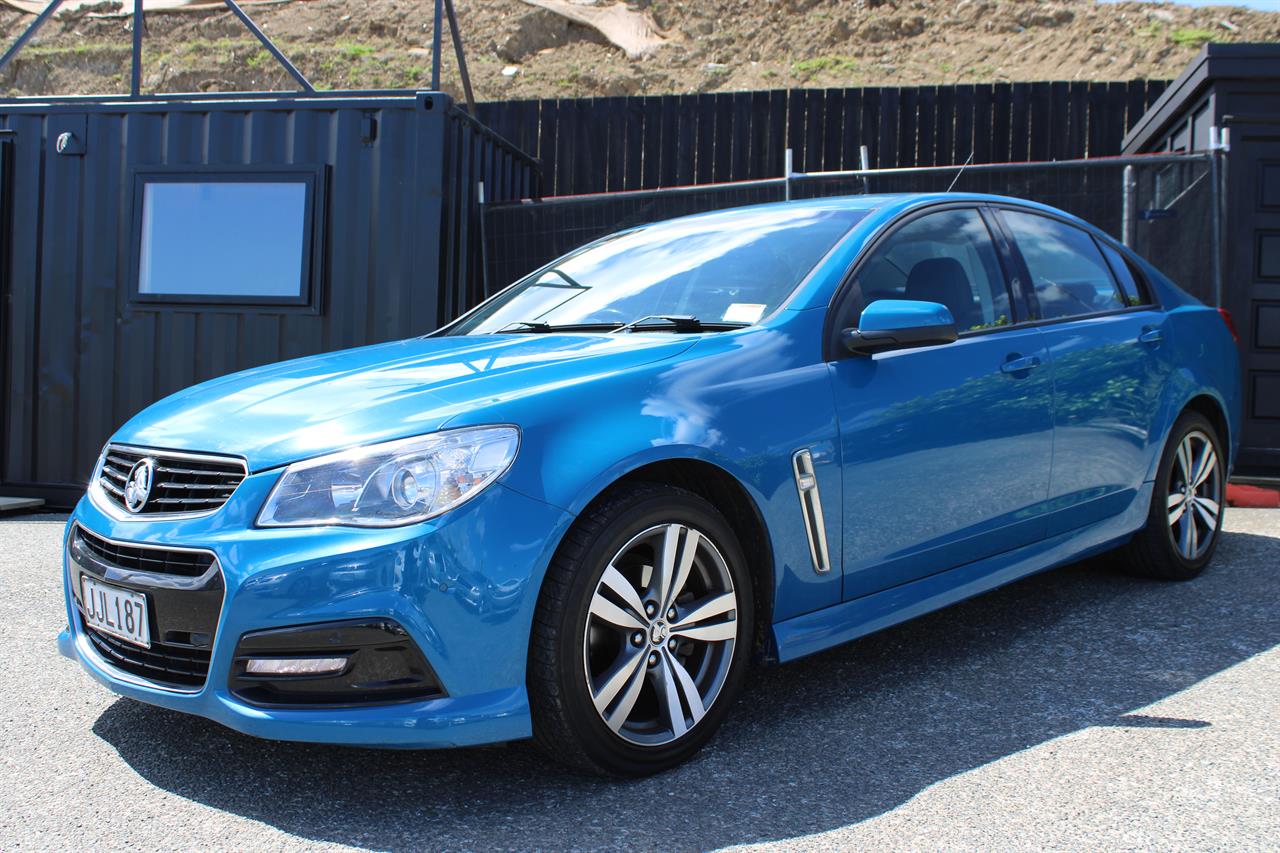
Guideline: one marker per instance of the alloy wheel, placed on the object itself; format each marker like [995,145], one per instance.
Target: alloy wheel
[660,634]
[1195,495]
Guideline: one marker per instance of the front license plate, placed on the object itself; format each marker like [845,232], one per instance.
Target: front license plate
[115,611]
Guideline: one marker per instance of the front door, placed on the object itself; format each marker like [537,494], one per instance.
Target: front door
[946,449]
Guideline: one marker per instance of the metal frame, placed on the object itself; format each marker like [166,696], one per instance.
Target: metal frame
[443,8]
[1083,162]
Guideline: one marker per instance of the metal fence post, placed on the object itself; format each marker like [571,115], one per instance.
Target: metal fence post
[436,27]
[139,26]
[1217,146]
[484,249]
[1130,185]
[786,168]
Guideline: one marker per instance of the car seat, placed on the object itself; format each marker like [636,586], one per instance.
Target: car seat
[944,280]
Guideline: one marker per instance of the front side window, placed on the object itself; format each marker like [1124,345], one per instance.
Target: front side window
[945,257]
[227,240]
[1068,273]
[731,269]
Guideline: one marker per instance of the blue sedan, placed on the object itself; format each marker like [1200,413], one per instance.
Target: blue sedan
[579,512]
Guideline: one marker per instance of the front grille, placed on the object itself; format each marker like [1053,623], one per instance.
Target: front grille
[190,564]
[181,666]
[182,483]
[184,589]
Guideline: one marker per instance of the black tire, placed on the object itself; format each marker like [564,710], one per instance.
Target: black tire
[1155,550]
[566,723]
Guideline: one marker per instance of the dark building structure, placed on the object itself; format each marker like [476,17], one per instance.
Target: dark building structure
[150,243]
[1229,98]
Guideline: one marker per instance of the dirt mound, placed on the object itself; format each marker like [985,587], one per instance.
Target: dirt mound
[518,51]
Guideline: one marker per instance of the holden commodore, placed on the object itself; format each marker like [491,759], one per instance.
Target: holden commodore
[580,511]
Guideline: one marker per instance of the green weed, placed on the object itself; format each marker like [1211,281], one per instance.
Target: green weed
[1190,36]
[824,64]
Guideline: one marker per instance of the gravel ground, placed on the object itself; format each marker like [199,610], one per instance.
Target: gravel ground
[1074,710]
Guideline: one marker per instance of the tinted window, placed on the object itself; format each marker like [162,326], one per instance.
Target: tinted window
[1126,275]
[945,257]
[733,267]
[223,239]
[1067,270]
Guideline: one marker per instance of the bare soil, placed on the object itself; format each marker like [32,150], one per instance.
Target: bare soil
[517,51]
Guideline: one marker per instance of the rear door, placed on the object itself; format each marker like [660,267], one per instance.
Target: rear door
[1110,363]
[945,449]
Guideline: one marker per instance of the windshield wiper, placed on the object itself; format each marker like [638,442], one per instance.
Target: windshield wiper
[677,323]
[539,327]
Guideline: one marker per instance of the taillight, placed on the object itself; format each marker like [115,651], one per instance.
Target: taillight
[1231,324]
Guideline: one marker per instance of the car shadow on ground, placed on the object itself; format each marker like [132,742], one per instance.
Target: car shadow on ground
[824,743]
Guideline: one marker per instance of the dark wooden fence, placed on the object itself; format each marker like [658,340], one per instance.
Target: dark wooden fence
[589,145]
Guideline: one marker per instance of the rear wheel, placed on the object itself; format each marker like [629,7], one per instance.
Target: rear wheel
[1186,507]
[642,633]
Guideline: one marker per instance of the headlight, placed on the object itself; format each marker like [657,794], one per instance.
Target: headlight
[385,485]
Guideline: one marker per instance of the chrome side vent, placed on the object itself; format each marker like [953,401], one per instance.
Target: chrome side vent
[815,527]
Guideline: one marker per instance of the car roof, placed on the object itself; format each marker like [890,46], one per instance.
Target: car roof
[889,202]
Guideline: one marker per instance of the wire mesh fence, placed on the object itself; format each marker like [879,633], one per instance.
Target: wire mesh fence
[1161,206]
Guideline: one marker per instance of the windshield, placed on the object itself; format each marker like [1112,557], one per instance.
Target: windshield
[717,271]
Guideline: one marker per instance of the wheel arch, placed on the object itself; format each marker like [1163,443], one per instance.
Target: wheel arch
[1208,404]
[1189,396]
[1212,409]
[734,500]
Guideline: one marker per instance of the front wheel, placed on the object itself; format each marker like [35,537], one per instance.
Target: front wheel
[1187,504]
[642,634]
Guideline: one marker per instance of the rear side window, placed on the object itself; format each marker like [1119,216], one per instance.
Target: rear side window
[945,257]
[1068,273]
[1126,275]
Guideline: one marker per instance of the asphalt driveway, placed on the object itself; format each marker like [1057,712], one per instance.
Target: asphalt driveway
[1078,709]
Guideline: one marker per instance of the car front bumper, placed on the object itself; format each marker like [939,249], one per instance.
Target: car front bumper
[463,586]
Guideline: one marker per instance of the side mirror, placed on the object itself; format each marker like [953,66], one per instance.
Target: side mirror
[898,324]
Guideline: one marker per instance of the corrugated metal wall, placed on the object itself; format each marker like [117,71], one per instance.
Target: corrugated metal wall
[396,253]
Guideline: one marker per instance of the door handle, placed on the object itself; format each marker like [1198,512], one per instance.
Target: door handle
[1151,335]
[1020,364]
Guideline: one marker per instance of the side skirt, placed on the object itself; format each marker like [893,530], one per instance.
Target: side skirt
[840,623]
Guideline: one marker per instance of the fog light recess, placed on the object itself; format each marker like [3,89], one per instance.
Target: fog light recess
[333,664]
